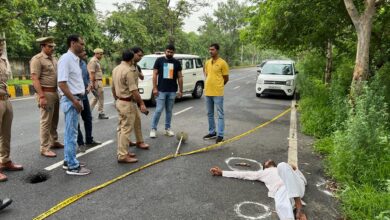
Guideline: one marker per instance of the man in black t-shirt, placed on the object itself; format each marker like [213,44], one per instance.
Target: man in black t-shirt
[167,77]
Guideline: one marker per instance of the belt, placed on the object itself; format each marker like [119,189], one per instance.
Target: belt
[49,89]
[128,99]
[98,79]
[4,97]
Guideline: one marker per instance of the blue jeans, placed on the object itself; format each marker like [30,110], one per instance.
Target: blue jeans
[218,102]
[87,118]
[70,136]
[164,99]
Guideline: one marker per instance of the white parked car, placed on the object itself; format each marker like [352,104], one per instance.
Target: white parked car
[193,78]
[277,77]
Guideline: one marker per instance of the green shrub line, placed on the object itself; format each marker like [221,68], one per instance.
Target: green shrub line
[12,82]
[355,141]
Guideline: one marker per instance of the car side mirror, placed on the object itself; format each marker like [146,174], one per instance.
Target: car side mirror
[296,71]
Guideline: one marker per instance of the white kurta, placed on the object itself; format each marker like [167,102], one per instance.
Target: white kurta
[283,184]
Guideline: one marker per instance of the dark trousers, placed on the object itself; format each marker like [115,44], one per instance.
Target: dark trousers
[87,118]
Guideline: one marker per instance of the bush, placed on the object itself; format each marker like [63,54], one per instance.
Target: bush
[324,146]
[362,151]
[365,202]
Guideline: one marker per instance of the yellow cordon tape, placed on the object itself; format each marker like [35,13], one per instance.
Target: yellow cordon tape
[76,197]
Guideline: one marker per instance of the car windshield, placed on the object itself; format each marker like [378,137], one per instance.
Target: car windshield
[147,63]
[277,69]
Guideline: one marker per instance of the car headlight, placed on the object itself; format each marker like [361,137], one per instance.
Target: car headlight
[260,81]
[290,82]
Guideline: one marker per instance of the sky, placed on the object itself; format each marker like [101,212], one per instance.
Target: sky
[191,23]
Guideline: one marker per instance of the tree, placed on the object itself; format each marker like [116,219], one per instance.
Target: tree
[163,18]
[14,18]
[225,29]
[298,25]
[363,22]
[124,28]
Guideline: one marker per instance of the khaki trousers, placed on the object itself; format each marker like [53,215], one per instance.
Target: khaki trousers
[49,121]
[137,125]
[126,115]
[6,115]
[100,97]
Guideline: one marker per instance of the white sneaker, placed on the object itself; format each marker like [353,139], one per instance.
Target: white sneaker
[153,133]
[169,132]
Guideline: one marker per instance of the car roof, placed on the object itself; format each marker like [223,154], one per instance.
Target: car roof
[279,62]
[178,55]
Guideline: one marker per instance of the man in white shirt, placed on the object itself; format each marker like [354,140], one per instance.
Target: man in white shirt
[286,184]
[71,87]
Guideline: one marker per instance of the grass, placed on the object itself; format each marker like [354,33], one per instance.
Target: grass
[12,82]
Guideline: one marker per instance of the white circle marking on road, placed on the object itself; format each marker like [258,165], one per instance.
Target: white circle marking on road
[240,158]
[267,210]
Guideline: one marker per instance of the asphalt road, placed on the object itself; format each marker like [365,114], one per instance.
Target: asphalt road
[180,188]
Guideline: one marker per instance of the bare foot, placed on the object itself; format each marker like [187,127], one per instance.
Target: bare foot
[300,215]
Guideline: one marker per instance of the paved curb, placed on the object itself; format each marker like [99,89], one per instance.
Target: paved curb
[293,136]
[28,90]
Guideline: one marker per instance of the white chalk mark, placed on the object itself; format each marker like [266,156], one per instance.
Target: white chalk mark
[321,186]
[227,161]
[184,110]
[52,167]
[267,210]
[236,87]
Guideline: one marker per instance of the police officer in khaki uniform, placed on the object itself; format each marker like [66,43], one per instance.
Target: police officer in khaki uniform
[138,54]
[125,92]
[6,116]
[96,76]
[43,68]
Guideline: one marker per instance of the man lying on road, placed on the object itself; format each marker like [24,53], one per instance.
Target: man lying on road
[286,184]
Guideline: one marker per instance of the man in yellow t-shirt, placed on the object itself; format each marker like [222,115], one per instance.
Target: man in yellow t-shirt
[216,71]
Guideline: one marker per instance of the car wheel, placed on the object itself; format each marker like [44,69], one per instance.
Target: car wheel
[198,90]
[258,95]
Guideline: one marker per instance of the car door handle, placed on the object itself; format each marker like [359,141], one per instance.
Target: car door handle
[194,74]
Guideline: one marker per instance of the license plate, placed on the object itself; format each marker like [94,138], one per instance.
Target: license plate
[274,87]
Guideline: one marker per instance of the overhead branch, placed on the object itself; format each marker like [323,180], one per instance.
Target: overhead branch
[352,11]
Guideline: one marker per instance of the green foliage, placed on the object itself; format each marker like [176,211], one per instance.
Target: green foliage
[296,25]
[324,145]
[383,78]
[365,202]
[362,151]
[317,114]
[224,29]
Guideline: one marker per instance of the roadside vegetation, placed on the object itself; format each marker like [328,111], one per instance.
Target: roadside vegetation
[344,99]
[342,50]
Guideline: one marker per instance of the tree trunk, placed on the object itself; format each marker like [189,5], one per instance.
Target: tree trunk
[363,26]
[329,62]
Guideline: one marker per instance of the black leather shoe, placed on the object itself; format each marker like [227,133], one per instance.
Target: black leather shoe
[4,203]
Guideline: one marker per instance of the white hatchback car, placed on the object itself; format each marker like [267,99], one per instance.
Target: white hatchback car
[193,78]
[277,77]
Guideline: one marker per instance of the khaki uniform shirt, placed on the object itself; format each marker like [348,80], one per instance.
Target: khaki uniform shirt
[45,68]
[123,80]
[94,66]
[3,76]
